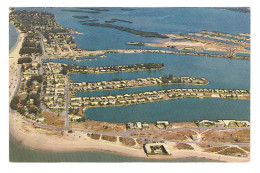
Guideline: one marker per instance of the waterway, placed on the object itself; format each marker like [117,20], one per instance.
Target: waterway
[222,73]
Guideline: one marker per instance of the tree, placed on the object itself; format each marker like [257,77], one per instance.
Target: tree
[21,110]
[76,111]
[39,78]
[29,83]
[39,90]
[24,102]
[14,103]
[32,110]
[24,60]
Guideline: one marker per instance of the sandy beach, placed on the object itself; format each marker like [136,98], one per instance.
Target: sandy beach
[13,66]
[62,141]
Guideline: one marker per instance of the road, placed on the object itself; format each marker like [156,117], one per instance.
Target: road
[66,102]
[123,134]
[18,82]
[128,133]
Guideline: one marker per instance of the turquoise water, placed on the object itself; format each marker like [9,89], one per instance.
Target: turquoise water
[19,153]
[222,73]
[174,111]
[161,20]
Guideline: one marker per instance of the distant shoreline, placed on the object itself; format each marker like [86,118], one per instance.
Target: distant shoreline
[62,141]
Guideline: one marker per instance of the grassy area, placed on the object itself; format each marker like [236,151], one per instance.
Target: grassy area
[164,135]
[215,149]
[99,126]
[183,146]
[139,141]
[94,136]
[127,141]
[233,151]
[53,120]
[246,147]
[187,133]
[109,138]
[234,135]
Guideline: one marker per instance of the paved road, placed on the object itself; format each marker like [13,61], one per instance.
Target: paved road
[123,134]
[19,81]
[66,103]
[128,134]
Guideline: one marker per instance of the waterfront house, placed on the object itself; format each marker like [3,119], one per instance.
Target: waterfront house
[130,125]
[162,124]
[138,125]
[157,149]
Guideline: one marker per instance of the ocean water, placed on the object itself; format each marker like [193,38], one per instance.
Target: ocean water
[222,73]
[13,34]
[161,20]
[20,153]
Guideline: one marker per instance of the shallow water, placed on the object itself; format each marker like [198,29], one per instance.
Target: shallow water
[222,73]
[19,153]
[13,34]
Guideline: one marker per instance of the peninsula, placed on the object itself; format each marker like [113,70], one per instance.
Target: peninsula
[45,114]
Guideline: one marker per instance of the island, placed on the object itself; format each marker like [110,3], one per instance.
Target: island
[43,106]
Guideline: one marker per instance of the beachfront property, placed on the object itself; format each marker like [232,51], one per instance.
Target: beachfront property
[137,125]
[159,148]
[162,124]
[223,123]
[45,87]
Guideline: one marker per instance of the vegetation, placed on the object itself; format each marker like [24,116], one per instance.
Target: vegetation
[127,141]
[215,149]
[80,17]
[233,151]
[109,138]
[14,103]
[33,110]
[81,11]
[73,111]
[145,66]
[24,60]
[245,147]
[183,146]
[31,44]
[94,136]
[21,110]
[52,119]
[133,31]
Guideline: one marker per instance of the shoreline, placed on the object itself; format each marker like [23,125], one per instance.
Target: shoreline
[14,68]
[62,141]
[52,140]
[17,39]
